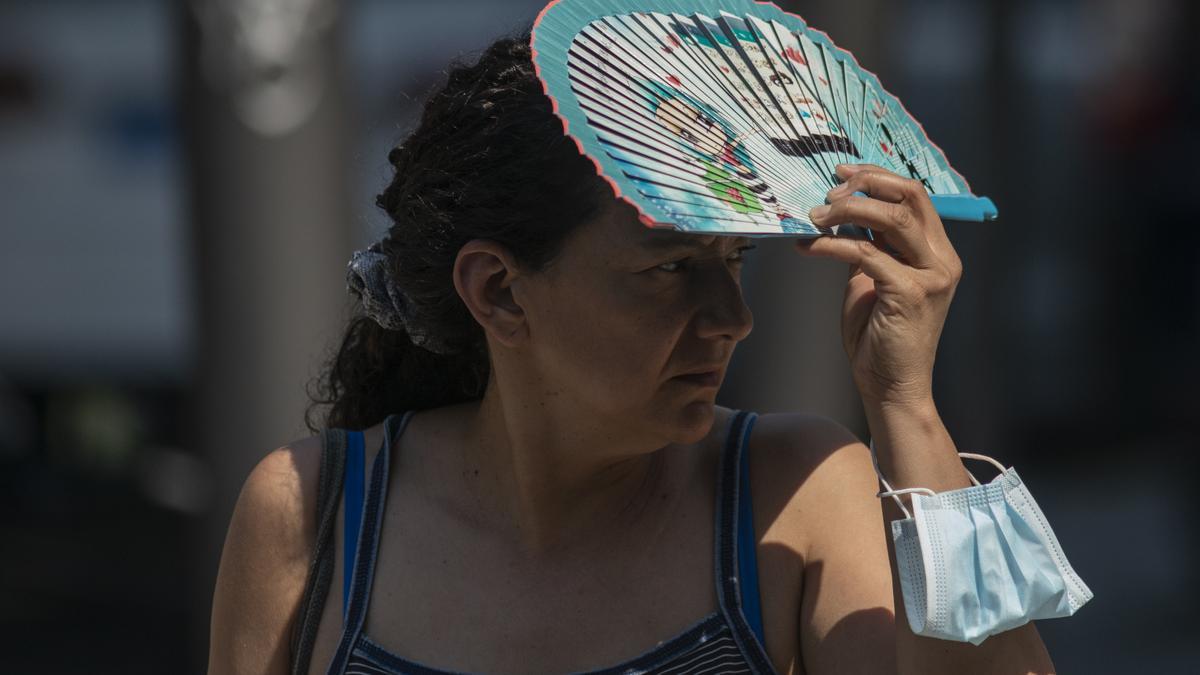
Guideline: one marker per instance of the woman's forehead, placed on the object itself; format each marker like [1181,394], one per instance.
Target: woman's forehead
[622,230]
[659,240]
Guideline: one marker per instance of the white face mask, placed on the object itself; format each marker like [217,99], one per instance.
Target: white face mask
[980,560]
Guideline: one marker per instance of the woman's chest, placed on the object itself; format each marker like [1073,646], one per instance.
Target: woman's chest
[455,601]
[459,602]
[613,600]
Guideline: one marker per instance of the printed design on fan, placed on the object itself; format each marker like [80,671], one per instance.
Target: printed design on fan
[809,128]
[679,112]
[729,170]
[712,121]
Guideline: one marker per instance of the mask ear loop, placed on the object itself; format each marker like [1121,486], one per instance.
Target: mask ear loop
[894,494]
[889,492]
[970,455]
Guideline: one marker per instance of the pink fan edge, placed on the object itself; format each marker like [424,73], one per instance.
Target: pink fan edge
[644,217]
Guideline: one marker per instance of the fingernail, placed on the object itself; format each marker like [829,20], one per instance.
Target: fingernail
[837,191]
[818,212]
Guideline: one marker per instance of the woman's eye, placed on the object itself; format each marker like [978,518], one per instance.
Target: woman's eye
[741,252]
[740,256]
[675,265]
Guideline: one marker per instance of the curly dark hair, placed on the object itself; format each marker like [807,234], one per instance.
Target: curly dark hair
[489,159]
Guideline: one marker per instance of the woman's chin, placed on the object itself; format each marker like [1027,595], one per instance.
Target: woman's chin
[694,420]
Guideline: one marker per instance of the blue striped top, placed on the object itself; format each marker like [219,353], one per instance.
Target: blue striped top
[729,640]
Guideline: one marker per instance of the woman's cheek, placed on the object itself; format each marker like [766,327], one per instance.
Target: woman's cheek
[638,330]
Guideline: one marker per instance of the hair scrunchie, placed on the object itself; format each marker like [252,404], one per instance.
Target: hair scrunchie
[368,277]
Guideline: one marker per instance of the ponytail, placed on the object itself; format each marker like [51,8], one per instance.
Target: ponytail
[489,159]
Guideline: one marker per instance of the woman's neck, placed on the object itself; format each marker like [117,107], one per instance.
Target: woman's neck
[552,485]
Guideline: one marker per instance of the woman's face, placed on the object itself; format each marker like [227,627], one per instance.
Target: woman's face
[625,309]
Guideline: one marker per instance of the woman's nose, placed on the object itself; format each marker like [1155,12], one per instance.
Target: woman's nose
[723,311]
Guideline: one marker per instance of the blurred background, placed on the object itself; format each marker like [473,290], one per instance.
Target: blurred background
[181,184]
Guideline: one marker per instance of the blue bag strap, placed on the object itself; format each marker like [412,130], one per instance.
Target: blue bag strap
[355,463]
[747,556]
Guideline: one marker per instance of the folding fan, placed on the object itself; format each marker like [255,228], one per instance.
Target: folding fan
[727,116]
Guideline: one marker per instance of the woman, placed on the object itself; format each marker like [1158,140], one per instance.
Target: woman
[547,499]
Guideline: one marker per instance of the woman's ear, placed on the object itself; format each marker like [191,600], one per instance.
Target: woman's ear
[484,273]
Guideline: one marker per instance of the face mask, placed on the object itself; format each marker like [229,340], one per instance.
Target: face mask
[980,560]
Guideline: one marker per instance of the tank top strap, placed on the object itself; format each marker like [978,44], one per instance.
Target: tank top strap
[736,558]
[362,563]
[352,510]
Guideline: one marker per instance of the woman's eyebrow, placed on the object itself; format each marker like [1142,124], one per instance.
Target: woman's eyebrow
[670,243]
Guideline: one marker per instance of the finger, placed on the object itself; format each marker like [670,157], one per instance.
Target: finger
[877,182]
[853,269]
[852,231]
[902,227]
[843,172]
[861,253]
[881,183]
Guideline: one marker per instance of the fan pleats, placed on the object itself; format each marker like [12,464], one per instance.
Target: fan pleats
[723,121]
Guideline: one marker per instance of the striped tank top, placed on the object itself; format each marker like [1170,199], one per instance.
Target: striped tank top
[729,640]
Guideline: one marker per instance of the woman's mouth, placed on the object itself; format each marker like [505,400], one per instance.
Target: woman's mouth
[710,379]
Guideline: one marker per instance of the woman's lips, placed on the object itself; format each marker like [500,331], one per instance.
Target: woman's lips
[710,379]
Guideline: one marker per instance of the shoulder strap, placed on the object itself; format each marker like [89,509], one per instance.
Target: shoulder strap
[320,571]
[735,572]
[374,507]
[746,545]
[356,458]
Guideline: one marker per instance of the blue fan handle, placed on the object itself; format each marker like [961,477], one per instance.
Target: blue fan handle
[964,207]
[953,207]
[959,207]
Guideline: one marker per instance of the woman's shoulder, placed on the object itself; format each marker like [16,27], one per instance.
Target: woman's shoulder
[801,465]
[265,560]
[821,478]
[282,490]
[278,499]
[812,494]
[807,442]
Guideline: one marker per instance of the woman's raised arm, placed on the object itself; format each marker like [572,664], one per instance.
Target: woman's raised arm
[896,300]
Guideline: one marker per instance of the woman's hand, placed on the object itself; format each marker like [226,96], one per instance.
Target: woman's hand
[895,305]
